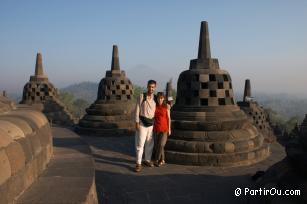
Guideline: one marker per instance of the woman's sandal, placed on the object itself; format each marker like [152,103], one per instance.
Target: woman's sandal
[156,163]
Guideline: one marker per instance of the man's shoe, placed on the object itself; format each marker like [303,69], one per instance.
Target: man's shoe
[148,163]
[138,167]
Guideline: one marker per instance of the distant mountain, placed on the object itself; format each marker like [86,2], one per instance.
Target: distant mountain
[140,74]
[84,90]
[286,105]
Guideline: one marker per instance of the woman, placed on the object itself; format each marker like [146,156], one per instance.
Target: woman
[162,128]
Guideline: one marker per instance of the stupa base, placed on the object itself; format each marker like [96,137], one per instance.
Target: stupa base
[215,159]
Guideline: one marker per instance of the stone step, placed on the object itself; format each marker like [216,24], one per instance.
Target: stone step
[208,126]
[209,116]
[247,133]
[186,109]
[214,147]
[213,159]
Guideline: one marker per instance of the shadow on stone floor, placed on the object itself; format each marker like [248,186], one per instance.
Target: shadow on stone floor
[114,161]
[71,144]
[122,145]
[116,181]
[172,188]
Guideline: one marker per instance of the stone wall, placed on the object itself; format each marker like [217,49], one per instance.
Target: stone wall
[25,151]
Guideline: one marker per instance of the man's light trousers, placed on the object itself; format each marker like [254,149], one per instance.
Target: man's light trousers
[144,138]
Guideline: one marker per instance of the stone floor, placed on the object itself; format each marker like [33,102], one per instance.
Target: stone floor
[117,182]
[69,176]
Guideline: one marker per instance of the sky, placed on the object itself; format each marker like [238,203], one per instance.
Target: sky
[265,40]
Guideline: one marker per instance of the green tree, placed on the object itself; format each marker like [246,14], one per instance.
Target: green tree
[137,90]
[68,99]
[79,106]
[291,123]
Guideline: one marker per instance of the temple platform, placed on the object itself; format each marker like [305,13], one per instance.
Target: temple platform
[117,182]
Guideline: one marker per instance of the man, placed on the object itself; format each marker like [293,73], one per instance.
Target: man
[144,118]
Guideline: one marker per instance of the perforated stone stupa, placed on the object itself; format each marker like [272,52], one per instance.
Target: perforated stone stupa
[111,113]
[256,113]
[208,127]
[41,95]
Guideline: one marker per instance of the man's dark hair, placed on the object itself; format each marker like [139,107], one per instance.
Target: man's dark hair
[151,81]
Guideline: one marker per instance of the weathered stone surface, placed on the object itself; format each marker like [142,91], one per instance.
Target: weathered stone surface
[6,171]
[111,113]
[25,150]
[12,130]
[35,119]
[5,140]
[40,91]
[208,127]
[15,185]
[22,124]
[16,157]
[6,104]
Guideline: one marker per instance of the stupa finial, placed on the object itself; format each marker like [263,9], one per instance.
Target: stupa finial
[247,90]
[204,42]
[39,65]
[115,59]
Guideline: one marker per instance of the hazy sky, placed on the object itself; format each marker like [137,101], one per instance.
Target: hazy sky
[265,41]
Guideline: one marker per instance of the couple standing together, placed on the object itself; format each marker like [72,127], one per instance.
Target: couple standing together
[153,126]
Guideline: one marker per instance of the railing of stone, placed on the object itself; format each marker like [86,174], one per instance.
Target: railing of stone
[25,150]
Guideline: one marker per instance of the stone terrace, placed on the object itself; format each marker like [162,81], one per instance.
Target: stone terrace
[117,182]
[69,177]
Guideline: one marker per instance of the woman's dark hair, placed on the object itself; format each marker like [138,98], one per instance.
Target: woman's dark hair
[151,81]
[161,94]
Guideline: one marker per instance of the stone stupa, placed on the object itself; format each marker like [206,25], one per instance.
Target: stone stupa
[6,104]
[41,95]
[111,113]
[208,128]
[256,113]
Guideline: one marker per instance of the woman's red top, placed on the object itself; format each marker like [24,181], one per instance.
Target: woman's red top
[161,119]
